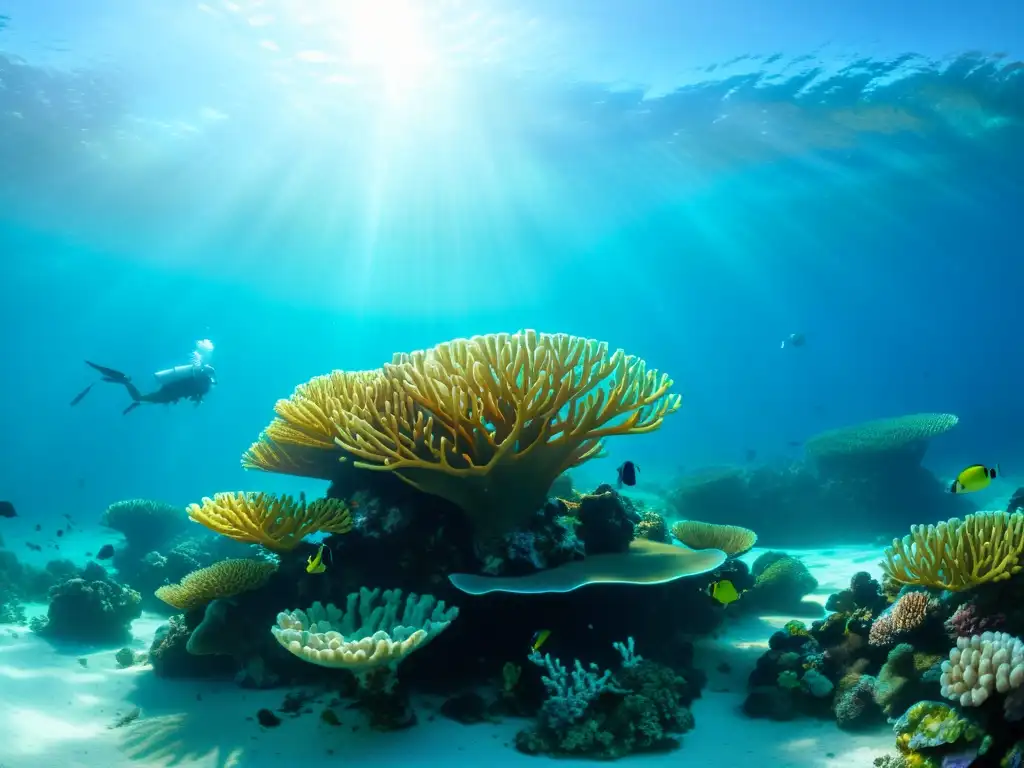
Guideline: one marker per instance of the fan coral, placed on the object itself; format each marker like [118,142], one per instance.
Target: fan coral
[958,555]
[982,665]
[224,579]
[882,438]
[907,614]
[487,423]
[146,525]
[276,522]
[375,630]
[731,539]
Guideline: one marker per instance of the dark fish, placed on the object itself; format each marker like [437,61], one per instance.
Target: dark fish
[7,509]
[39,527]
[33,547]
[106,552]
[627,473]
[751,454]
[60,533]
[80,395]
[330,717]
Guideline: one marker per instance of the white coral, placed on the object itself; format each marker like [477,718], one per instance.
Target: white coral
[981,665]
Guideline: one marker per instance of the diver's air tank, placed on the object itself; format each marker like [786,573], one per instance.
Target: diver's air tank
[175,374]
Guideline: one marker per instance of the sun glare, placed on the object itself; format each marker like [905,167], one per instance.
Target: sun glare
[387,37]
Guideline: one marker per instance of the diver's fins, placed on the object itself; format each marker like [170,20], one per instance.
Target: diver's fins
[109,374]
[131,408]
[80,395]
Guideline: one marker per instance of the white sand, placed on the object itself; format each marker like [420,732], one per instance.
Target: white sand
[55,713]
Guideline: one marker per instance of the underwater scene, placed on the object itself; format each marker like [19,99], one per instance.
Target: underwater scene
[493,382]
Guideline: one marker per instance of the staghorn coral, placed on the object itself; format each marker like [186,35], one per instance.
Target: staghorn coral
[731,539]
[224,579]
[906,614]
[958,554]
[488,422]
[146,525]
[276,522]
[982,665]
[881,439]
[375,630]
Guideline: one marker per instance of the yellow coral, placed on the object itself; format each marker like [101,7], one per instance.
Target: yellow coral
[487,423]
[276,522]
[958,554]
[224,579]
[731,539]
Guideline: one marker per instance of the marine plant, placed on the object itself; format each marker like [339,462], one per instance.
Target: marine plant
[279,523]
[958,554]
[220,580]
[487,423]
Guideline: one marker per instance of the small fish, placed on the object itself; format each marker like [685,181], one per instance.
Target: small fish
[33,547]
[723,591]
[794,340]
[80,395]
[627,473]
[7,509]
[539,638]
[106,552]
[330,717]
[974,478]
[39,527]
[751,454]
[60,533]
[315,564]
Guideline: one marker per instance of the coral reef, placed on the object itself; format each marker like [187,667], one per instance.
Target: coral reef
[780,584]
[487,423]
[641,707]
[146,525]
[90,612]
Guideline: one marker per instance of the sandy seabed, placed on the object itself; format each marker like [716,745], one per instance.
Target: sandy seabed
[56,712]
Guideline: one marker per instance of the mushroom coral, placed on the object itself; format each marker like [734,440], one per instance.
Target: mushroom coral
[488,422]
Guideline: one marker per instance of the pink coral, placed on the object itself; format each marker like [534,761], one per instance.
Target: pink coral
[967,621]
[907,614]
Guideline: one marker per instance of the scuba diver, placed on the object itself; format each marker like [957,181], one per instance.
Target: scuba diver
[191,381]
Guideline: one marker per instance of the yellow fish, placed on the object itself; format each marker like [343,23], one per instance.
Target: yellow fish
[316,564]
[974,478]
[539,638]
[723,591]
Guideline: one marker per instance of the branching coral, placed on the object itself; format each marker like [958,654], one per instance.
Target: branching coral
[279,523]
[958,554]
[907,614]
[224,579]
[731,539]
[375,630]
[487,423]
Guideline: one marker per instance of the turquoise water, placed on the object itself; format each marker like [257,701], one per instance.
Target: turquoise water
[316,185]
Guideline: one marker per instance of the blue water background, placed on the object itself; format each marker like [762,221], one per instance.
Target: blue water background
[689,181]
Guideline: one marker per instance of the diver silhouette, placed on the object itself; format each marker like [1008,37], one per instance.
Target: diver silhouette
[191,381]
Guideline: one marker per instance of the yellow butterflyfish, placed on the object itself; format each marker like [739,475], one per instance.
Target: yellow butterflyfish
[723,591]
[315,564]
[539,638]
[975,478]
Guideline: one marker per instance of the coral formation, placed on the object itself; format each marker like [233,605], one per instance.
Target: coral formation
[279,523]
[90,611]
[929,731]
[780,583]
[907,614]
[652,526]
[224,579]
[878,441]
[958,555]
[596,713]
[146,525]
[734,540]
[487,422]
[982,665]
